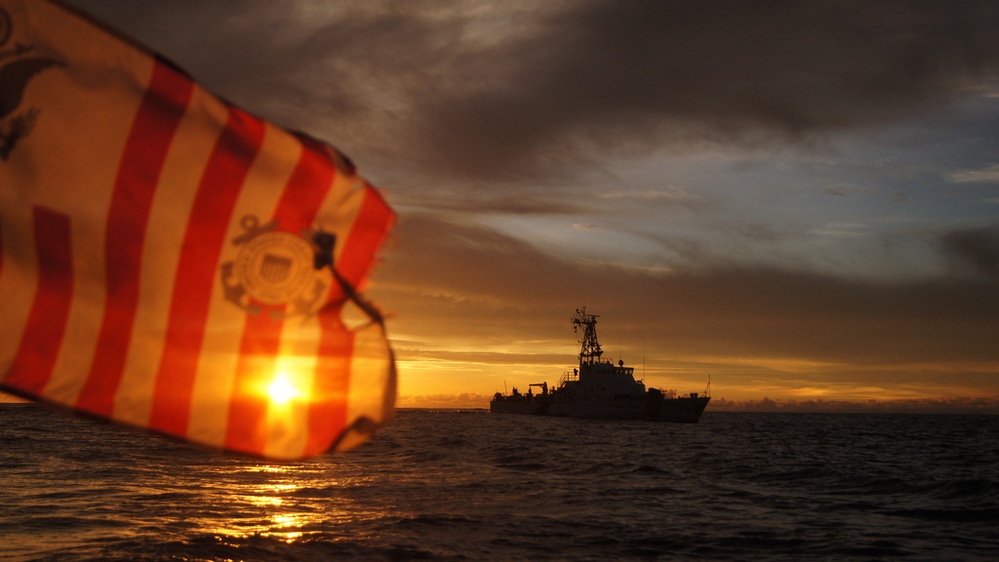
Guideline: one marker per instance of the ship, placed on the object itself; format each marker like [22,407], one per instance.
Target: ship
[601,389]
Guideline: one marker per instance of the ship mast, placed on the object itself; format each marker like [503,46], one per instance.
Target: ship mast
[585,326]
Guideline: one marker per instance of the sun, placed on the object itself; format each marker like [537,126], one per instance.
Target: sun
[281,390]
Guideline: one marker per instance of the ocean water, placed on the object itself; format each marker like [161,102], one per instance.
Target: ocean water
[469,485]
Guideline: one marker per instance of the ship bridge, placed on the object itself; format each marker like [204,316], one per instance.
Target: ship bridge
[596,376]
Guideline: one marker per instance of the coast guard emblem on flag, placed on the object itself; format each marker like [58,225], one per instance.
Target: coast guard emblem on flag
[173,262]
[274,271]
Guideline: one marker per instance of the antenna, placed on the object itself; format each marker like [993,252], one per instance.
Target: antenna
[590,351]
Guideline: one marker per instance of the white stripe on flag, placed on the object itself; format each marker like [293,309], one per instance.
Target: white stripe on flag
[182,171]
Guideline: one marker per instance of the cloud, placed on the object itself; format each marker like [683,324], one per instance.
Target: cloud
[844,191]
[668,195]
[618,77]
[840,230]
[459,282]
[554,87]
[987,174]
[464,400]
[472,201]
[977,249]
[989,406]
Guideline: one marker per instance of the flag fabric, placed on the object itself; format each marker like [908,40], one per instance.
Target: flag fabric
[172,262]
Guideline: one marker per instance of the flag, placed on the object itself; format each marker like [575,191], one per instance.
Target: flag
[172,262]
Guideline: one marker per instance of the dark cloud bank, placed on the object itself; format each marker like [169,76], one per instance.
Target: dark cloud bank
[594,78]
[627,73]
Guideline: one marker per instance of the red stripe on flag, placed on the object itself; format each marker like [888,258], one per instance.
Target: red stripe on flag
[227,168]
[306,189]
[331,386]
[300,200]
[328,414]
[372,225]
[43,333]
[156,122]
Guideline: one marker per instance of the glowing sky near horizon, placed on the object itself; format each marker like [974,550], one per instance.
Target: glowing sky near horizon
[800,201]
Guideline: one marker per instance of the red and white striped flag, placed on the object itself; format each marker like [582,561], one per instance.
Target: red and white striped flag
[172,262]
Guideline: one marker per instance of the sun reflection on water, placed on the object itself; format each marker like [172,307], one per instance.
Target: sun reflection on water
[289,503]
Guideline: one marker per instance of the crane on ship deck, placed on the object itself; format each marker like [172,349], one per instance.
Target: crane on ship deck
[543,385]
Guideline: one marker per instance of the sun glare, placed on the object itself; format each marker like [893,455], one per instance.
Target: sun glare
[281,390]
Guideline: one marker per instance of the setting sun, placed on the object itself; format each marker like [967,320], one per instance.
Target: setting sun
[281,390]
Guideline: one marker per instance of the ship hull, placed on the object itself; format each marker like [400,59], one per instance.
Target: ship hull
[680,410]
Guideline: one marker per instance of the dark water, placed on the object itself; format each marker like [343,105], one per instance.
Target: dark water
[475,486]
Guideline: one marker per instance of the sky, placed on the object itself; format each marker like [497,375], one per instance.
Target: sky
[797,201]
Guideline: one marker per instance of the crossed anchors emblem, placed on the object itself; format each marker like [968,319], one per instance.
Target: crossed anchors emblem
[275,272]
[14,78]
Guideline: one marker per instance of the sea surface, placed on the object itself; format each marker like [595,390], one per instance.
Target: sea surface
[469,485]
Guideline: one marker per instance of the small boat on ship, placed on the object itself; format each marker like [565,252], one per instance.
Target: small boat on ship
[600,389]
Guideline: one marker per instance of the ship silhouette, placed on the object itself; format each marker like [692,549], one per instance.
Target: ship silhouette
[600,389]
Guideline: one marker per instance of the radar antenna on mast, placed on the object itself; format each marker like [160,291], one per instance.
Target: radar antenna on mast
[589,352]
